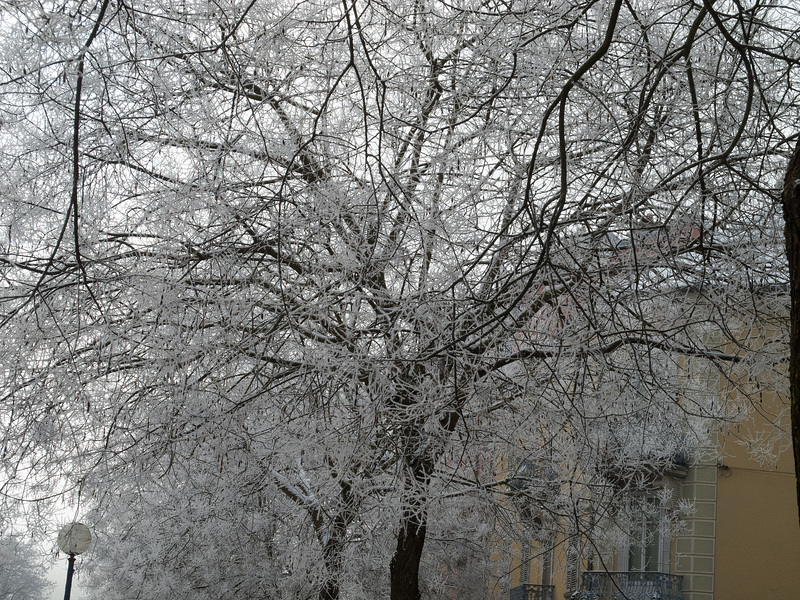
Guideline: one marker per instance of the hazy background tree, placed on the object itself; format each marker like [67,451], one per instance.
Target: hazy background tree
[293,277]
[21,569]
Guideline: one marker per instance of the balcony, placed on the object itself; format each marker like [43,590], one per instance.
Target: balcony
[629,585]
[532,592]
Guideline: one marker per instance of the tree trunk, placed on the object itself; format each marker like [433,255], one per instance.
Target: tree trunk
[333,547]
[404,568]
[330,589]
[333,566]
[791,215]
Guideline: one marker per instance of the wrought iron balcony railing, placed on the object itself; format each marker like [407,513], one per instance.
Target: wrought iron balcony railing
[532,592]
[630,585]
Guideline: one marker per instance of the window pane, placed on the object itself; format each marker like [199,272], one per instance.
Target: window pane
[644,554]
[651,557]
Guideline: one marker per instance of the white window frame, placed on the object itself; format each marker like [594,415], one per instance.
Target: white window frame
[663,564]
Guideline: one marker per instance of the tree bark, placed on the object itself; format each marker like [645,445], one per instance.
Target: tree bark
[333,547]
[791,215]
[404,567]
[332,557]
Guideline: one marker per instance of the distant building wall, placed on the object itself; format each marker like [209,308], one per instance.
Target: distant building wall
[758,535]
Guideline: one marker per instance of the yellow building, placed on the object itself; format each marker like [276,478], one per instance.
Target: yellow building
[738,539]
[743,540]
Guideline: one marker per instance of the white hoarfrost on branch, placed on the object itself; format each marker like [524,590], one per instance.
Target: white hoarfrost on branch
[291,291]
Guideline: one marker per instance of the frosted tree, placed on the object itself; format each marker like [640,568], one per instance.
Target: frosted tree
[303,273]
[21,571]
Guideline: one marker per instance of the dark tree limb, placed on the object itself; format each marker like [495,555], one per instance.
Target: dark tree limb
[791,215]
[76,126]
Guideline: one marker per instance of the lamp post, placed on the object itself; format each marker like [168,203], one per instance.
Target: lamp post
[73,539]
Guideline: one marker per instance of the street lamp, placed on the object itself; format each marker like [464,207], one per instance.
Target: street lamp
[73,539]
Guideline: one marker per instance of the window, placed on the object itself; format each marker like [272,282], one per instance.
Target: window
[536,562]
[648,551]
[524,563]
[547,564]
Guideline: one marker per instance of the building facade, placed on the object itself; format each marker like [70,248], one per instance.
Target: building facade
[736,537]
